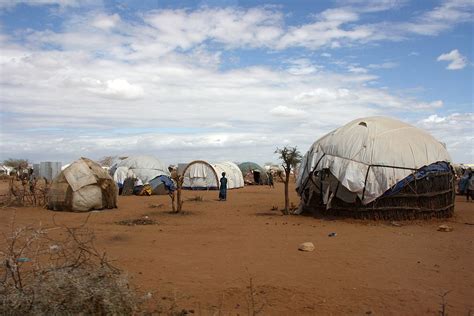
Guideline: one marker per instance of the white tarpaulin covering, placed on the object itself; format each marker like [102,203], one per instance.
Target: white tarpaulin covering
[144,168]
[379,142]
[91,188]
[202,175]
[232,173]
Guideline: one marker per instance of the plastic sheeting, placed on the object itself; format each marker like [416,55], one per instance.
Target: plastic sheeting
[162,180]
[89,185]
[201,175]
[419,174]
[232,172]
[370,155]
[144,168]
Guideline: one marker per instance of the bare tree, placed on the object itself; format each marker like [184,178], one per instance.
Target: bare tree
[178,179]
[290,156]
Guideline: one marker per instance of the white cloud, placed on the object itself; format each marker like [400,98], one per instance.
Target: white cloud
[115,88]
[106,22]
[430,23]
[455,59]
[456,130]
[386,65]
[285,111]
[428,105]
[60,3]
[302,66]
[373,5]
[357,69]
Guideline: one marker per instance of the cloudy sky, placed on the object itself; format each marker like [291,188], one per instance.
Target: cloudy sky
[227,80]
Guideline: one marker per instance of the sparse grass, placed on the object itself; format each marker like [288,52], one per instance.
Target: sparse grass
[138,221]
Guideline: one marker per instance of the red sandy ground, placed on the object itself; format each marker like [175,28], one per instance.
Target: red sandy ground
[204,260]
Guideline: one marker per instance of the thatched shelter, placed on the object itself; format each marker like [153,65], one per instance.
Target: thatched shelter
[377,168]
[82,186]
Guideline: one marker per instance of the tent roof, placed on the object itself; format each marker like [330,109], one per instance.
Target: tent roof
[248,165]
[143,162]
[142,167]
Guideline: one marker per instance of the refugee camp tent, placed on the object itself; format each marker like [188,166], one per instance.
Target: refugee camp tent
[253,173]
[142,171]
[81,187]
[201,175]
[377,167]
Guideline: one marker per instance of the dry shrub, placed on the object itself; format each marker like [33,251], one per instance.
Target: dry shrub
[24,193]
[59,271]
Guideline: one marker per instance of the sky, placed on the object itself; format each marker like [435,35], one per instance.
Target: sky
[227,80]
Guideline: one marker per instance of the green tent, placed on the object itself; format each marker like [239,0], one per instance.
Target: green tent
[253,173]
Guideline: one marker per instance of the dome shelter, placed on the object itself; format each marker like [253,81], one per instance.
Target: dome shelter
[253,173]
[137,172]
[380,168]
[82,186]
[201,175]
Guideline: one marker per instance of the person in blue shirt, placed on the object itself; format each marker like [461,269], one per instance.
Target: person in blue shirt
[223,188]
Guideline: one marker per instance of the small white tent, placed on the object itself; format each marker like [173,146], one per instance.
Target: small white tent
[201,175]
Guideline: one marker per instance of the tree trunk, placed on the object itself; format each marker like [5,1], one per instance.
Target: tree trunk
[172,196]
[287,198]
[180,203]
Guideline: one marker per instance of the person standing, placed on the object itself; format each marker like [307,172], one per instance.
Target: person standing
[223,188]
[270,180]
[470,187]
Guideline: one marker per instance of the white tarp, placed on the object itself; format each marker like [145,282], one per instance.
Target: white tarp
[144,168]
[78,175]
[200,174]
[92,188]
[380,142]
[233,174]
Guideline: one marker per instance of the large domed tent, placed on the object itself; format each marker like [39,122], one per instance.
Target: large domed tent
[253,173]
[201,175]
[377,167]
[81,187]
[143,170]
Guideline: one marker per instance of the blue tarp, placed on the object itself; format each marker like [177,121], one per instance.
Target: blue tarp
[169,184]
[421,173]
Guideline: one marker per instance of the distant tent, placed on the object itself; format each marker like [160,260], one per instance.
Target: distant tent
[253,173]
[380,168]
[143,175]
[201,175]
[81,187]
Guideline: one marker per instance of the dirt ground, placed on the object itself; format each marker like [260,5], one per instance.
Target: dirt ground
[205,259]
